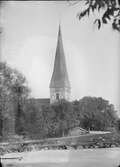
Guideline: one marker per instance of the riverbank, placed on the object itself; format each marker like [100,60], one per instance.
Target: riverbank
[91,140]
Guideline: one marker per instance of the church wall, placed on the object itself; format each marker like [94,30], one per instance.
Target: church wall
[64,93]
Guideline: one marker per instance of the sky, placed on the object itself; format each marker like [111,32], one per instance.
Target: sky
[29,39]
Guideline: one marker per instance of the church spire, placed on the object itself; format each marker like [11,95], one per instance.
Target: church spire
[59,85]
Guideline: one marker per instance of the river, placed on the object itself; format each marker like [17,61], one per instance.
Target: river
[104,157]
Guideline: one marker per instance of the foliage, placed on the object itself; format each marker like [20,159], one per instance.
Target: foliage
[48,121]
[13,91]
[33,121]
[59,118]
[65,118]
[55,120]
[95,113]
[110,10]
[118,125]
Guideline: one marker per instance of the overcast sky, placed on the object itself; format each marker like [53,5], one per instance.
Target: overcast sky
[29,41]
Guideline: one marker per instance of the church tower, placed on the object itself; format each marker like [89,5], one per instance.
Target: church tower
[59,85]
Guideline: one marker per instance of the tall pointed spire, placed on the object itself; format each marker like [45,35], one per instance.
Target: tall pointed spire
[0,42]
[59,85]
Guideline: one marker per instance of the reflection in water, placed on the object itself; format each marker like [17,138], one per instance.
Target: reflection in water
[109,157]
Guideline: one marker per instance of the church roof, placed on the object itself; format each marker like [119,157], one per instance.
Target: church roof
[39,101]
[60,76]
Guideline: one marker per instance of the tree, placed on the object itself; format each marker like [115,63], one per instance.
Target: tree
[50,125]
[59,118]
[110,12]
[13,92]
[118,125]
[95,113]
[65,118]
[34,125]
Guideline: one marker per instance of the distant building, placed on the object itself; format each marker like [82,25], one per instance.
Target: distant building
[59,85]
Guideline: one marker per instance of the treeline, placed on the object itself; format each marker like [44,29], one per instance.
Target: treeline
[90,113]
[53,120]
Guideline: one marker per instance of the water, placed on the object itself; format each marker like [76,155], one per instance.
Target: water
[105,157]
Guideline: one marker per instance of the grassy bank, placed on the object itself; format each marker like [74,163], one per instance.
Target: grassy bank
[105,140]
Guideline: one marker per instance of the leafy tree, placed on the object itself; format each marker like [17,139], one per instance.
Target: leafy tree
[65,118]
[59,118]
[110,11]
[95,113]
[118,125]
[13,92]
[50,125]
[33,121]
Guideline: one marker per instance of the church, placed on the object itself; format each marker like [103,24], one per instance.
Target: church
[59,85]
